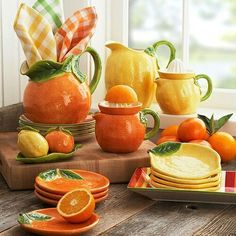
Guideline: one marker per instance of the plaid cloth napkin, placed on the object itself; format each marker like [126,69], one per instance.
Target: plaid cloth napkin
[35,34]
[73,36]
[52,10]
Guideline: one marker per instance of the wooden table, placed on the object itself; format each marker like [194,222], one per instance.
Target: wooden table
[128,213]
[124,212]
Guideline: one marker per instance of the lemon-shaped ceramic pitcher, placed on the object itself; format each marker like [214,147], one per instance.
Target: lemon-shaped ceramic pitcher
[180,93]
[135,68]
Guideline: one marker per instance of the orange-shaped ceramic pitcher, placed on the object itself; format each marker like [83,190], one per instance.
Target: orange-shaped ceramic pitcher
[123,129]
[58,92]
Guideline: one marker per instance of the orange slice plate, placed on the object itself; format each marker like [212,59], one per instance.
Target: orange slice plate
[94,182]
[57,225]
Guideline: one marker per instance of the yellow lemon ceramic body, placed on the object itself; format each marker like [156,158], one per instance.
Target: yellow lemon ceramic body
[137,69]
[180,94]
[32,144]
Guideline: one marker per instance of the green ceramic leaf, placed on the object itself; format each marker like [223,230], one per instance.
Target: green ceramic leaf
[66,67]
[27,127]
[166,149]
[23,219]
[49,175]
[44,70]
[59,128]
[76,70]
[27,218]
[69,174]
[52,157]
[150,51]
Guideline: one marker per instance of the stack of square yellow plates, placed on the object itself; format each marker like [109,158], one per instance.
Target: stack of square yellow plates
[80,131]
[185,166]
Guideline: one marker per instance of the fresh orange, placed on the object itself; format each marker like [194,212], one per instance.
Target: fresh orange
[191,129]
[224,144]
[76,206]
[121,94]
[167,139]
[60,100]
[170,131]
[202,142]
[60,141]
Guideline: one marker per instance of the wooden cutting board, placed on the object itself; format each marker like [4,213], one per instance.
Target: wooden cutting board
[117,167]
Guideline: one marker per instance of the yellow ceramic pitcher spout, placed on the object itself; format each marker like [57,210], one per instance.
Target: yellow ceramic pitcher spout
[135,68]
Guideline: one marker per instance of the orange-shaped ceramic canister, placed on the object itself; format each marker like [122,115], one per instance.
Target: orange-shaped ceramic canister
[58,92]
[123,129]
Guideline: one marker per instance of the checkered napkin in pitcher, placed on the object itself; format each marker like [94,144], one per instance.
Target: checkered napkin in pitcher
[45,36]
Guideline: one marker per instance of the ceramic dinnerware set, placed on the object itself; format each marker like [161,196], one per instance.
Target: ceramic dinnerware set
[52,184]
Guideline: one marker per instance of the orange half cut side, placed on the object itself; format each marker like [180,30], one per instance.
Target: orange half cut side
[76,206]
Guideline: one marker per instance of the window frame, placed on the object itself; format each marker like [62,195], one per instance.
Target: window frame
[220,98]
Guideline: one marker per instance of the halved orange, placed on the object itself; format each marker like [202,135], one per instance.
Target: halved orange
[76,206]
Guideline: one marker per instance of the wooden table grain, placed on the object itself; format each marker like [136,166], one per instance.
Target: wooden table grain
[128,213]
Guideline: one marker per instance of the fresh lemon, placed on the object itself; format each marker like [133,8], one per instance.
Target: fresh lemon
[32,144]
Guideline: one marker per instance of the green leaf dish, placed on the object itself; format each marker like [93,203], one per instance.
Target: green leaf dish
[52,157]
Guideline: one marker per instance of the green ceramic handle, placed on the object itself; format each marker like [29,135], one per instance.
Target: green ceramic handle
[156,118]
[170,46]
[98,68]
[209,85]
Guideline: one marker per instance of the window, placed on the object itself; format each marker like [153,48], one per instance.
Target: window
[208,26]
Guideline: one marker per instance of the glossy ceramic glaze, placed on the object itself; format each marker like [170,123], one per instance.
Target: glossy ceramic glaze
[122,133]
[185,186]
[180,94]
[135,68]
[57,225]
[61,100]
[185,181]
[59,196]
[159,185]
[53,202]
[185,160]
[93,181]
[57,93]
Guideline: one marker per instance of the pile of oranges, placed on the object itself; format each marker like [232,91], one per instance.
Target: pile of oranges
[194,130]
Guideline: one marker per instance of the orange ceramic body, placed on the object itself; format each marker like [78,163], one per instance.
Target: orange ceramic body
[61,100]
[119,133]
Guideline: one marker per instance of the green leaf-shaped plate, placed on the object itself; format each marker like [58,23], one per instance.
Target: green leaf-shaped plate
[52,157]
[185,160]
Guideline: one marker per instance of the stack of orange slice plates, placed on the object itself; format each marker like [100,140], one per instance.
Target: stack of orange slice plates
[52,184]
